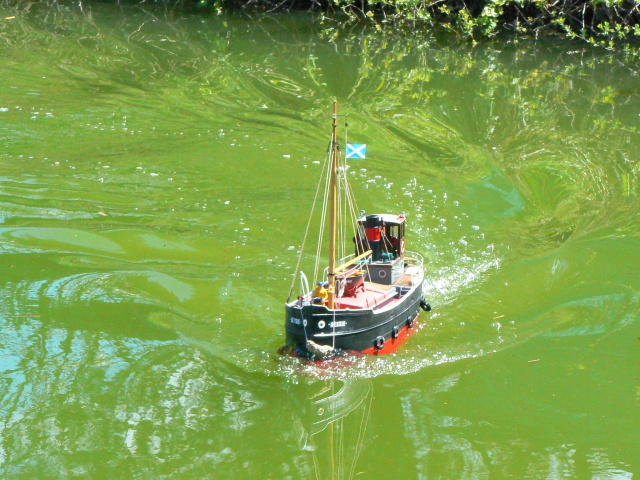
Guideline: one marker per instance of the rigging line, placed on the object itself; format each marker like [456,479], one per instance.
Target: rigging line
[357,228]
[352,211]
[331,426]
[313,206]
[345,449]
[363,427]
[346,129]
[367,246]
[322,221]
[315,463]
[350,198]
[354,226]
[338,210]
[343,203]
[348,205]
[340,425]
[323,215]
[347,220]
[386,242]
[344,210]
[351,205]
[345,186]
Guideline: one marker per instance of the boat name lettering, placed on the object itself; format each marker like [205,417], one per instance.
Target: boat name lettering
[295,321]
[340,323]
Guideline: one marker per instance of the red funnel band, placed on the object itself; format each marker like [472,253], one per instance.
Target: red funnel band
[373,234]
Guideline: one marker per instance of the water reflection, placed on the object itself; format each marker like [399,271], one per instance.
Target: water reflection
[331,419]
[487,444]
[74,392]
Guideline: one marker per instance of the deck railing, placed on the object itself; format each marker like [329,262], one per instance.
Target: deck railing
[414,258]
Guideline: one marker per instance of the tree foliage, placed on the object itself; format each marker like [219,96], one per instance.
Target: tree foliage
[612,24]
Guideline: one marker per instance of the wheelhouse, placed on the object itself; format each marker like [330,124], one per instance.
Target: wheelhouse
[383,234]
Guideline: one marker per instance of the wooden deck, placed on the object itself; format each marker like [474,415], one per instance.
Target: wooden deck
[404,280]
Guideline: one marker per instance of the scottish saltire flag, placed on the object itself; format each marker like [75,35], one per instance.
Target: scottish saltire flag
[356,150]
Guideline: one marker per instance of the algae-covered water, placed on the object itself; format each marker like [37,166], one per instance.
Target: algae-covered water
[156,173]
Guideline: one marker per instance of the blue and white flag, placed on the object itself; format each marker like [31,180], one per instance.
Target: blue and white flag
[356,150]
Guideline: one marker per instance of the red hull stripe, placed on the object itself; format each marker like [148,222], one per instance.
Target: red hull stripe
[392,344]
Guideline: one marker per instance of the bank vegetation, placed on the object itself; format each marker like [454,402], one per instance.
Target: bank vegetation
[610,24]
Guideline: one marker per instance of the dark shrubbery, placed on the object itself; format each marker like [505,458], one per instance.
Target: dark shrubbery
[611,24]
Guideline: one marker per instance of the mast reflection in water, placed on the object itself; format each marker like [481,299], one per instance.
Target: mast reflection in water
[331,421]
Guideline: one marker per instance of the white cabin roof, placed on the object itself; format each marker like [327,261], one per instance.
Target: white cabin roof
[387,218]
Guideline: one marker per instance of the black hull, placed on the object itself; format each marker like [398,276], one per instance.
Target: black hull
[363,330]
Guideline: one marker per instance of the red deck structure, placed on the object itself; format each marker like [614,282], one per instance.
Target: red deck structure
[374,295]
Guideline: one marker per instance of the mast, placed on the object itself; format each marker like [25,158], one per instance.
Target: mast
[333,192]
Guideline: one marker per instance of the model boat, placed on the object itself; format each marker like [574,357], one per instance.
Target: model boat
[367,301]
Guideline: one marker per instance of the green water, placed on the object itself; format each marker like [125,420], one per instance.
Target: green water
[156,173]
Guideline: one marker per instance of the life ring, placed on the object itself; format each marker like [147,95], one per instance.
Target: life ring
[379,341]
[402,246]
[410,322]
[395,331]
